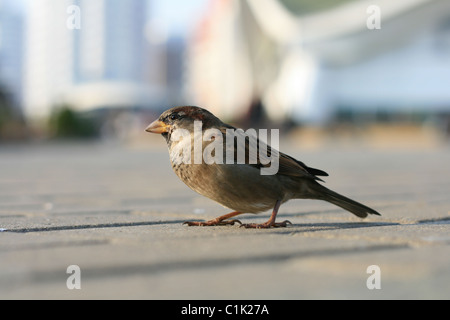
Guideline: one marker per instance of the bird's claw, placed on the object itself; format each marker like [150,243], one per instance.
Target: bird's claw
[212,223]
[266,225]
[230,222]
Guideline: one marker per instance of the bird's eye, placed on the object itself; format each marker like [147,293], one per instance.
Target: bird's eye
[174,116]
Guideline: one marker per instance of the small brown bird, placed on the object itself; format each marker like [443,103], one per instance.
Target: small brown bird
[239,185]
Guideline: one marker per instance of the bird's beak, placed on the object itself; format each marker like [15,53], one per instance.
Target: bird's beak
[157,127]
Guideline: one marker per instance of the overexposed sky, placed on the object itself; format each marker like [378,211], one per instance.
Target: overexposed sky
[177,16]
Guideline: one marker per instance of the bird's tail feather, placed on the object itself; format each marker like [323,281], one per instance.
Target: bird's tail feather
[358,209]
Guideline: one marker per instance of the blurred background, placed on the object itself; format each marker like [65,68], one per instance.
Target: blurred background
[103,69]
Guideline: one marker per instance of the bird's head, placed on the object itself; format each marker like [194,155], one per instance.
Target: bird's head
[182,118]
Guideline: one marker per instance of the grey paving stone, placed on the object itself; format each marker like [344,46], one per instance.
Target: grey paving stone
[117,213]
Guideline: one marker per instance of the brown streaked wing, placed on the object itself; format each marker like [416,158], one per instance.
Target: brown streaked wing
[288,166]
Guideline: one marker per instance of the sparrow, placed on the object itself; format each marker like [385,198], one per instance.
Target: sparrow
[240,186]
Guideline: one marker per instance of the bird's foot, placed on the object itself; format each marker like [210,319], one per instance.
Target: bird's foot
[266,225]
[219,221]
[214,222]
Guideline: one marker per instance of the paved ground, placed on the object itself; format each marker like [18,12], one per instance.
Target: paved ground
[117,213]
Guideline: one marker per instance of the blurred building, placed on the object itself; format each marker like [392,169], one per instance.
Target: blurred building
[175,53]
[309,61]
[88,54]
[11,51]
[219,74]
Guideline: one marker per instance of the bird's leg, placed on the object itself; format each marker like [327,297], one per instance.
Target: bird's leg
[219,221]
[271,222]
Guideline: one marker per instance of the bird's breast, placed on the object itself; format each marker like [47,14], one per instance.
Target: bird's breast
[236,186]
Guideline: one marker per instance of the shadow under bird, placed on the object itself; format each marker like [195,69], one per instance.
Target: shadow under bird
[241,186]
